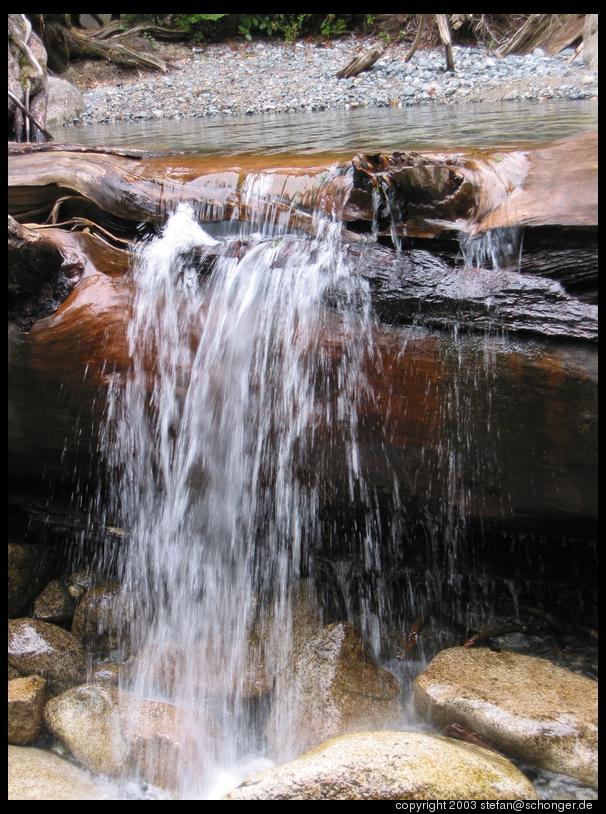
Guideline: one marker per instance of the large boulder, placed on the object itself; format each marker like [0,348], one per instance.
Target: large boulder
[26,70]
[65,103]
[27,573]
[526,706]
[113,732]
[37,775]
[54,605]
[37,648]
[87,720]
[97,621]
[330,686]
[590,41]
[26,700]
[390,766]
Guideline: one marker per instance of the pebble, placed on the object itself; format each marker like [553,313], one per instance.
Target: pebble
[275,77]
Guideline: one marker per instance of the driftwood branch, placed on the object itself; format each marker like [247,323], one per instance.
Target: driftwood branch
[30,115]
[445,37]
[361,62]
[417,39]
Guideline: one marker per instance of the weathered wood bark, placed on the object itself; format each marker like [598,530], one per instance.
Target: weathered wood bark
[65,43]
[551,32]
[425,194]
[361,62]
[504,414]
[414,287]
[446,39]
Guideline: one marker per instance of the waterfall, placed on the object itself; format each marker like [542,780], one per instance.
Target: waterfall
[217,444]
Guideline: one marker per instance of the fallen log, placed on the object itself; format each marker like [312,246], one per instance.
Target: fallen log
[530,409]
[420,195]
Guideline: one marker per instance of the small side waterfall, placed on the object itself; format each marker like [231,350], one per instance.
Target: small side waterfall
[216,443]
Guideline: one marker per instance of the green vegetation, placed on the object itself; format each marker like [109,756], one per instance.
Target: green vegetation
[287,26]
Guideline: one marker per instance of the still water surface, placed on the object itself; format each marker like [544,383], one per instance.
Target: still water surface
[368,129]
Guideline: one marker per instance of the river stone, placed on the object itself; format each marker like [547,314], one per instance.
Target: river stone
[390,766]
[65,103]
[27,573]
[26,699]
[331,686]
[37,648]
[54,604]
[106,672]
[86,719]
[34,774]
[110,731]
[97,618]
[271,649]
[527,706]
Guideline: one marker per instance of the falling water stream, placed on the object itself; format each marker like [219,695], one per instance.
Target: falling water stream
[217,446]
[242,410]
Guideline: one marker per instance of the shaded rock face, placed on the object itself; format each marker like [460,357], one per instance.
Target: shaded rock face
[37,648]
[26,699]
[390,766]
[331,686]
[27,573]
[112,732]
[97,620]
[65,103]
[528,707]
[26,75]
[54,605]
[37,775]
[590,41]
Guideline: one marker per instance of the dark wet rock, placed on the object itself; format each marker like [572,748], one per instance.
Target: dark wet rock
[390,766]
[27,572]
[330,686]
[38,648]
[26,700]
[79,582]
[54,604]
[526,706]
[97,621]
[34,774]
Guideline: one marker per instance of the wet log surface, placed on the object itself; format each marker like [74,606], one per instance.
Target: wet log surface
[427,193]
[495,430]
[512,415]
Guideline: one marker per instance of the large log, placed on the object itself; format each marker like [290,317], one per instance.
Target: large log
[413,287]
[426,194]
[506,414]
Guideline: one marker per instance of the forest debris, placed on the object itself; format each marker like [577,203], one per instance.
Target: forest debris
[491,633]
[361,62]
[412,636]
[551,32]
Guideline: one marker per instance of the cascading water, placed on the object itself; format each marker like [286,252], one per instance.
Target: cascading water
[499,249]
[216,442]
